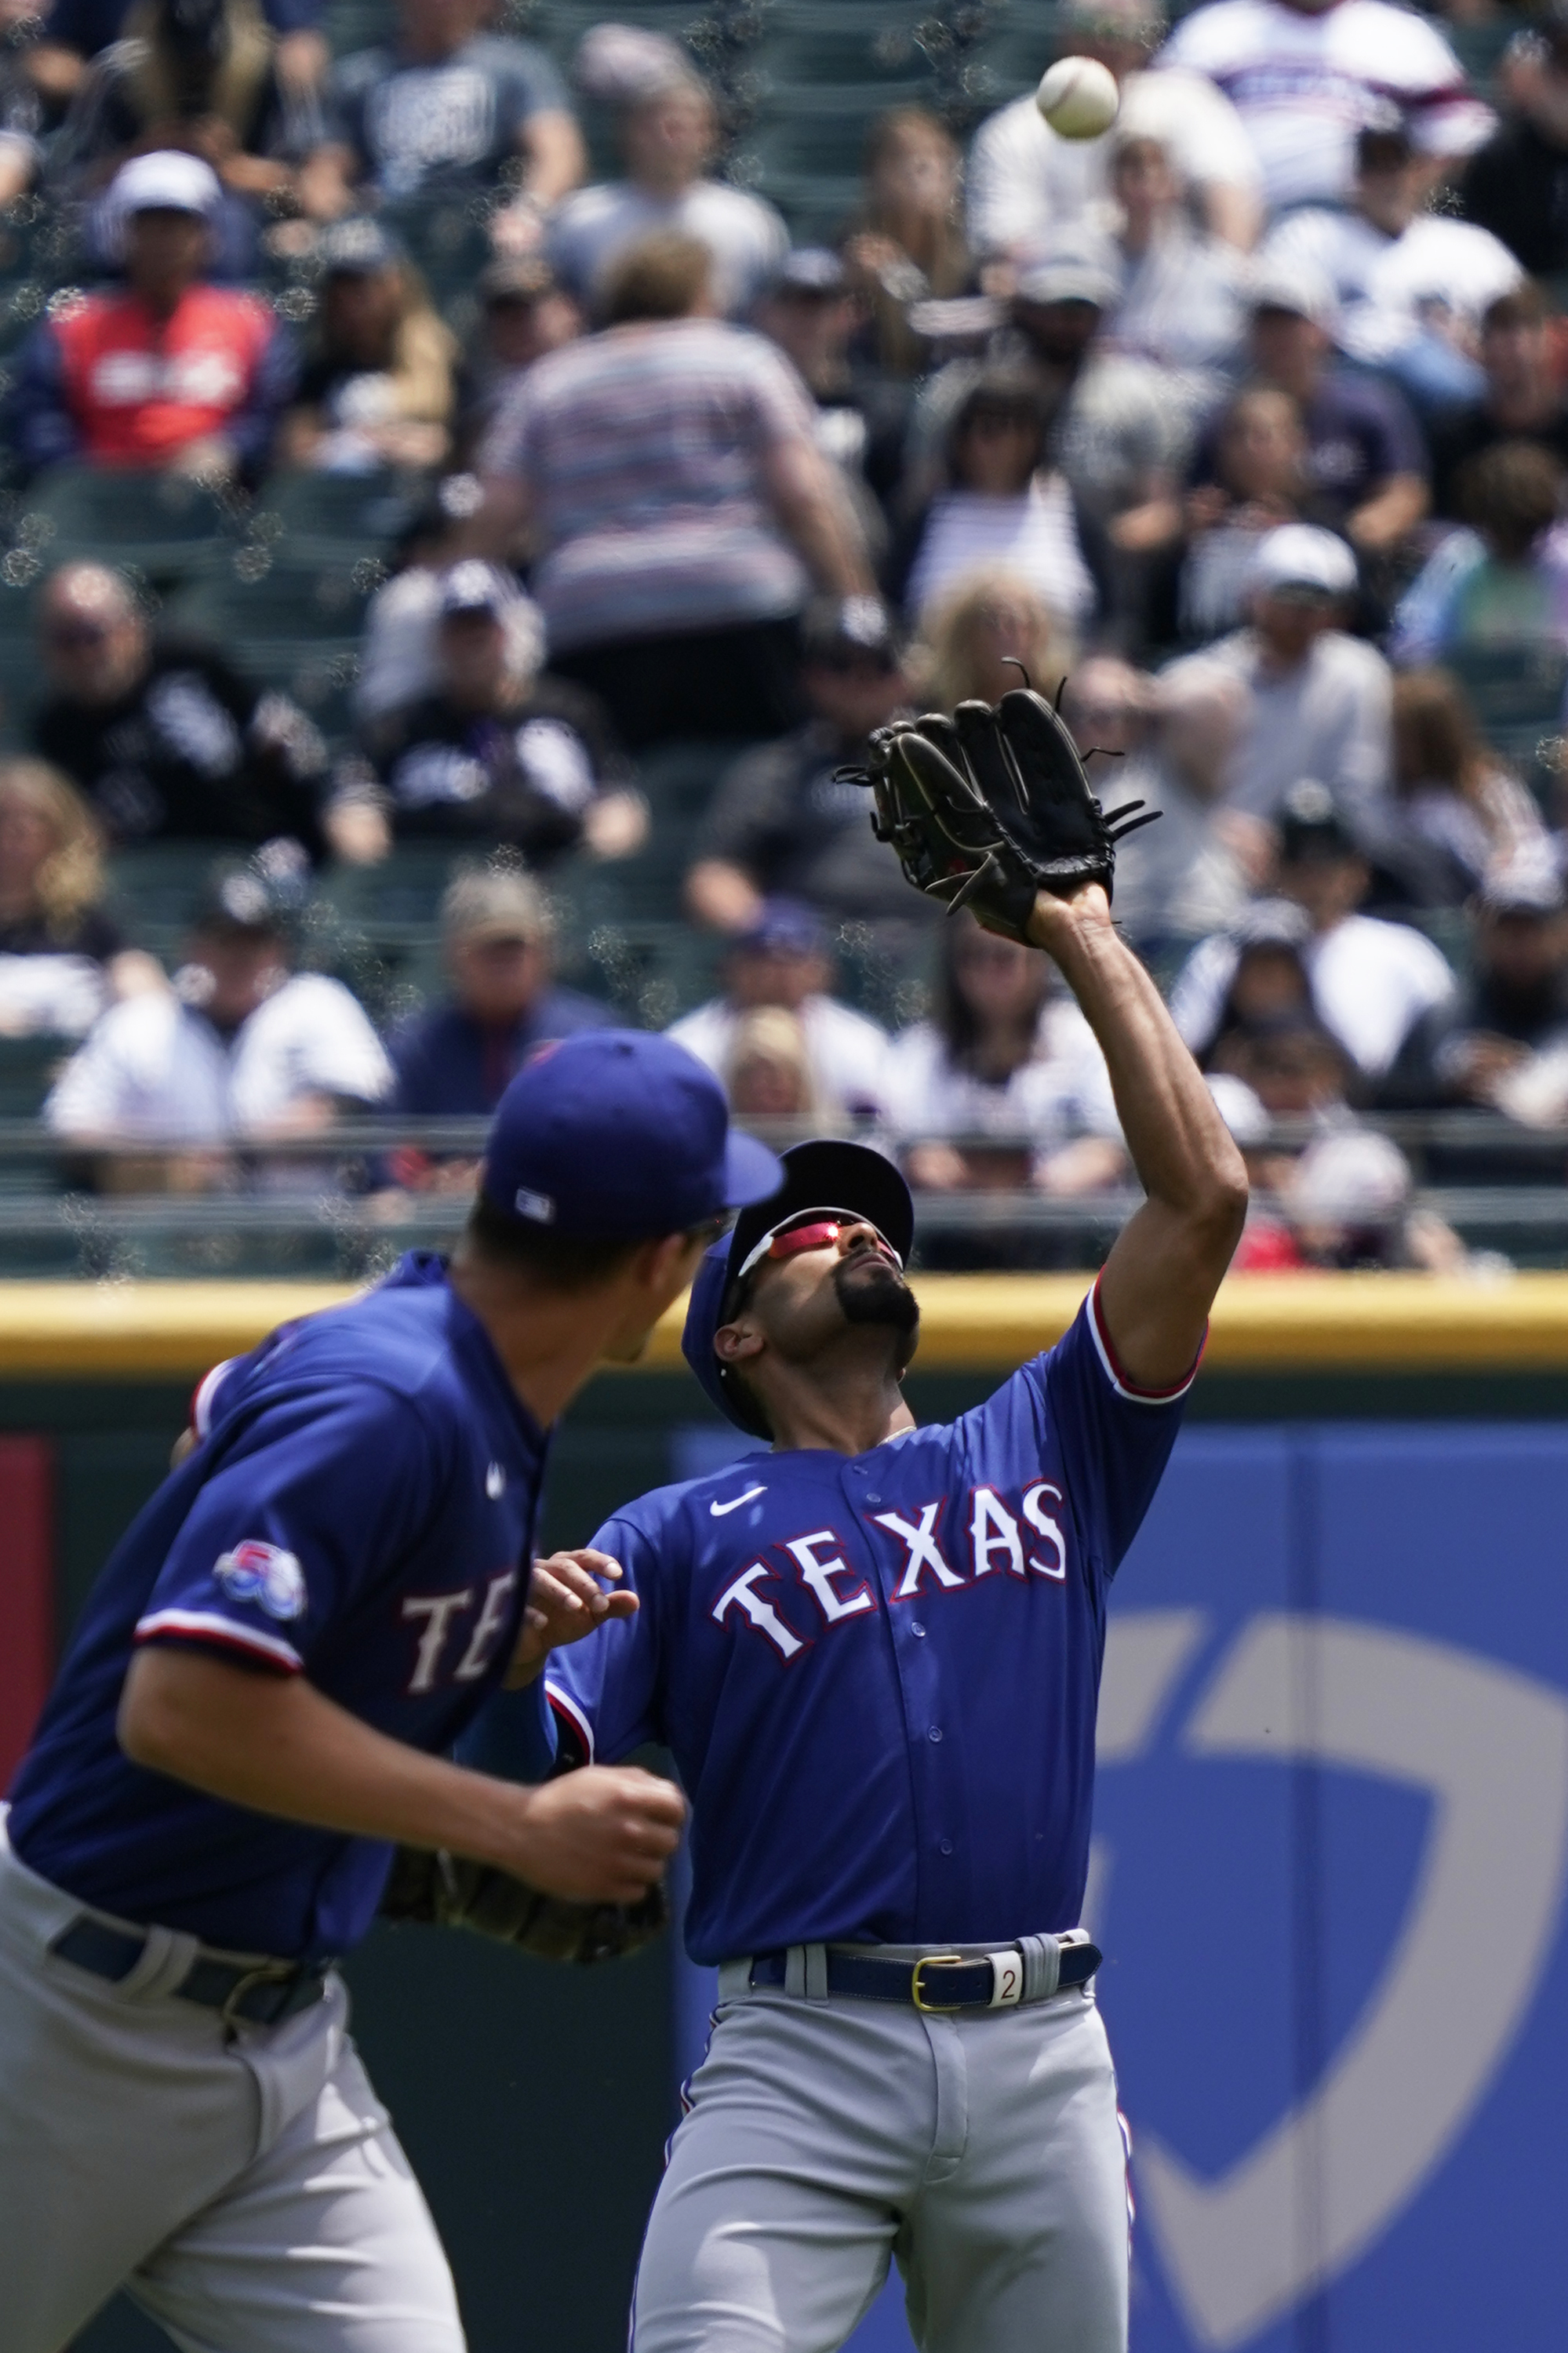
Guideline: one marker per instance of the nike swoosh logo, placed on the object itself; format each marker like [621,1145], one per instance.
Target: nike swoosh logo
[718,1509]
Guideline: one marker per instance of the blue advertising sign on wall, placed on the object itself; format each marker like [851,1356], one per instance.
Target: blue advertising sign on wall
[1329,1878]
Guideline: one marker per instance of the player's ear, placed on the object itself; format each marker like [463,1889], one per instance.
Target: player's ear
[668,1264]
[735,1344]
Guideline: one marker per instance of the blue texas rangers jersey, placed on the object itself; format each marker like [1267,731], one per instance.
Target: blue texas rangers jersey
[878,1674]
[361,1509]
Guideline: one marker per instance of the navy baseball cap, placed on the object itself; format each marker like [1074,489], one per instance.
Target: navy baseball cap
[620,1135]
[826,1174]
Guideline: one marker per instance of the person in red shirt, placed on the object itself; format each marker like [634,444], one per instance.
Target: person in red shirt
[165,371]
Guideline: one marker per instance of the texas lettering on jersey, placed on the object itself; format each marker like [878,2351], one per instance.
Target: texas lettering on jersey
[1019,1539]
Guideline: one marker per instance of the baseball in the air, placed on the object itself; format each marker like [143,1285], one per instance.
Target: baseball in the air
[1078,98]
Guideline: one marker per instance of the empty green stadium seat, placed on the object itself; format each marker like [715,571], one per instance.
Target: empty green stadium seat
[161,524]
[28,1069]
[304,515]
[842,41]
[153,892]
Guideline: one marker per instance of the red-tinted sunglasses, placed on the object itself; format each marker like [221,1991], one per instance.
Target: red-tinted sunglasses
[820,1230]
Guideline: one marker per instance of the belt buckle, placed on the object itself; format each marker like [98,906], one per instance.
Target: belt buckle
[278,1973]
[934,1961]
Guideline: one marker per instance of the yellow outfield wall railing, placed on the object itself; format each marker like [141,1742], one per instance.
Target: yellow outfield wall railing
[1284,1323]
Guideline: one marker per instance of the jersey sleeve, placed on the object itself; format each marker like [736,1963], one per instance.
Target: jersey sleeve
[1115,1435]
[605,1692]
[311,1505]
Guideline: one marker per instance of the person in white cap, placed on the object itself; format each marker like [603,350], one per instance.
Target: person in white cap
[166,371]
[1320,700]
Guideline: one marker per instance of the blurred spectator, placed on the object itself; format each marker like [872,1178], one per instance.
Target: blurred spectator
[1504,1043]
[1000,504]
[1503,585]
[781,959]
[1293,1068]
[1003,1085]
[1306,76]
[668,470]
[240,1048]
[74,32]
[523,314]
[977,635]
[1179,878]
[21,105]
[1027,185]
[456,1059]
[783,822]
[1518,185]
[495,753]
[397,655]
[1250,980]
[1319,701]
[1466,811]
[165,740]
[1259,482]
[376,387]
[198,76]
[61,955]
[1366,461]
[769,1074]
[808,312]
[1410,285]
[668,132]
[443,107]
[905,246]
[1372,982]
[1349,1205]
[1115,432]
[1522,397]
[1183,304]
[166,371]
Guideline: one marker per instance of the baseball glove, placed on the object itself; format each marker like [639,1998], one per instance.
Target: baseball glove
[444,1891]
[992,805]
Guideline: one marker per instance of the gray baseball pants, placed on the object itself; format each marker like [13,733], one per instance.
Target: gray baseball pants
[823,2137]
[244,2187]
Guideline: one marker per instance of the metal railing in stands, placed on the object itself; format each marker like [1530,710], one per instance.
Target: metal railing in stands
[27,1140]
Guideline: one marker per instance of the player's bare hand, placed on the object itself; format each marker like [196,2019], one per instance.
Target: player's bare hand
[567,1600]
[599,1836]
[1059,925]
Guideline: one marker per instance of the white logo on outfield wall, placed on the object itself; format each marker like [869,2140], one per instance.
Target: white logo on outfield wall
[1489,1747]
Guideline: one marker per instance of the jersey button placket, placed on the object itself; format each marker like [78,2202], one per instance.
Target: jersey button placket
[919,1688]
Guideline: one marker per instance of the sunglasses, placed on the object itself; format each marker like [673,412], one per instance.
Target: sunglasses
[811,1229]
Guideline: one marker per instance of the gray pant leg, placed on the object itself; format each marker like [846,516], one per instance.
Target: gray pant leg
[114,2126]
[772,2227]
[1023,2248]
[248,2190]
[323,2245]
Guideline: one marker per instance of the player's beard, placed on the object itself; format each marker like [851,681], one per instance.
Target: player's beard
[872,1291]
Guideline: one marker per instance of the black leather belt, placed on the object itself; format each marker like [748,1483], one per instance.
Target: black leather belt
[263,1994]
[939,1981]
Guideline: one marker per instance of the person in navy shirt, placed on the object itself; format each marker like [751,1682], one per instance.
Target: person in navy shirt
[874,1652]
[497,936]
[258,1702]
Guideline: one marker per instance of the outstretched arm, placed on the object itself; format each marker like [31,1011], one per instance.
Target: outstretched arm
[1162,1276]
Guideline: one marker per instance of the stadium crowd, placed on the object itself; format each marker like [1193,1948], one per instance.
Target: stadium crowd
[1244,426]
